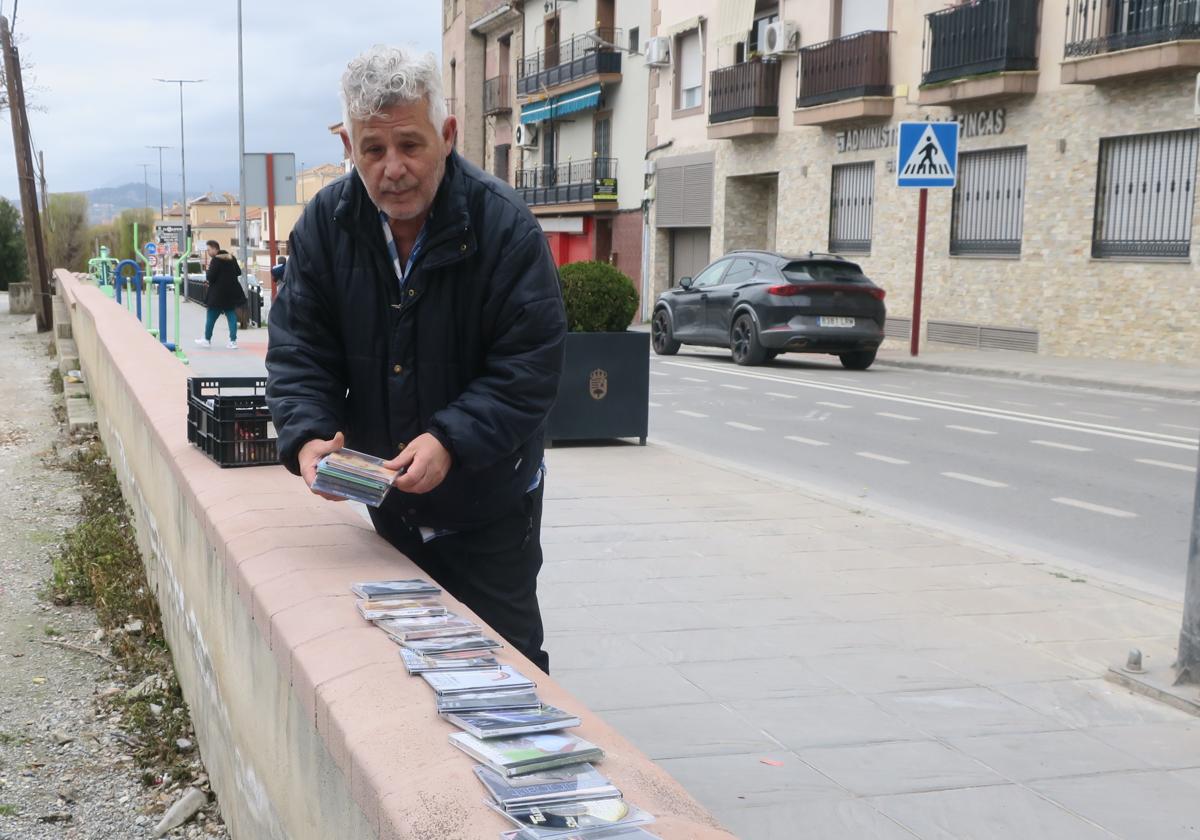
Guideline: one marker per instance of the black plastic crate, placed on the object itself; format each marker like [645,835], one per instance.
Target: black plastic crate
[228,419]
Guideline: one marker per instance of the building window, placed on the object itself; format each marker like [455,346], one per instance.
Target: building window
[500,161]
[690,74]
[851,200]
[602,136]
[989,201]
[634,40]
[1144,192]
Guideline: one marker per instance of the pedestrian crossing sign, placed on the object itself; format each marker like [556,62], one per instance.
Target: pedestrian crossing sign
[927,154]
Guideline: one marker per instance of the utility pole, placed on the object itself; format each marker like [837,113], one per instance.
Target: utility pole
[42,182]
[146,182]
[243,247]
[35,245]
[1187,664]
[162,211]
[183,167]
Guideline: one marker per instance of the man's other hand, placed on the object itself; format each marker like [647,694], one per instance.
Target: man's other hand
[311,453]
[425,463]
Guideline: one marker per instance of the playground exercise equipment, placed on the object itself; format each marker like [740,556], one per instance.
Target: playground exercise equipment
[129,282]
[103,270]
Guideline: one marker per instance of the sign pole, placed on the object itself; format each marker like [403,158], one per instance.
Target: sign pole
[919,276]
[271,249]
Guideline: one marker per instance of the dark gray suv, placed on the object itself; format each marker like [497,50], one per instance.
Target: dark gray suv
[760,304]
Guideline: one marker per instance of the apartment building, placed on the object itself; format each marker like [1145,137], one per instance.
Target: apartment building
[552,96]
[1071,231]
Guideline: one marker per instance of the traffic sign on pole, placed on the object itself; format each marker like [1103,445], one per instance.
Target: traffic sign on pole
[927,154]
[151,249]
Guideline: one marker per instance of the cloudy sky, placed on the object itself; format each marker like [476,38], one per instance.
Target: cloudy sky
[94,64]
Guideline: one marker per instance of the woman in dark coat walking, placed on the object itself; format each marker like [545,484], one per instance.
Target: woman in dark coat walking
[224,295]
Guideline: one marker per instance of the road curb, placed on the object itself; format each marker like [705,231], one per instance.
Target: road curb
[1047,378]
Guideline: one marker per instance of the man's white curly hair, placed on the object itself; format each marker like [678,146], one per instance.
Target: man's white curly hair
[383,76]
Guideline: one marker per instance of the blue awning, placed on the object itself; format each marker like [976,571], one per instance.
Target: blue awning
[560,106]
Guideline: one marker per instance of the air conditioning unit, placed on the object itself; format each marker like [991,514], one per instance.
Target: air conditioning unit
[658,52]
[525,136]
[782,37]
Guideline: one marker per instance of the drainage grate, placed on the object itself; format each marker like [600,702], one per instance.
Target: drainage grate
[897,328]
[983,337]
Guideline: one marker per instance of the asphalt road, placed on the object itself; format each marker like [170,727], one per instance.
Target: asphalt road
[1101,480]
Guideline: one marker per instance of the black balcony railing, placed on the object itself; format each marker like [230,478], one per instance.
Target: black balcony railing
[569,183]
[568,61]
[750,89]
[844,68]
[496,99]
[988,36]
[1100,26]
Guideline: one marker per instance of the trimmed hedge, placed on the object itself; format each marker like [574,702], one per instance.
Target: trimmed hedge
[598,297]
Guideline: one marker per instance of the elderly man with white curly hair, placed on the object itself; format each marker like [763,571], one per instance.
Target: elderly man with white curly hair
[421,321]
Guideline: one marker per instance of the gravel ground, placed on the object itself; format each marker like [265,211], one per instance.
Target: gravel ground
[65,770]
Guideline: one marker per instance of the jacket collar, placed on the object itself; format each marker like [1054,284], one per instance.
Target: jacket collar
[448,232]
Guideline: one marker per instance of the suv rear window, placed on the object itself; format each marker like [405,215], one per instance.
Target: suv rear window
[823,271]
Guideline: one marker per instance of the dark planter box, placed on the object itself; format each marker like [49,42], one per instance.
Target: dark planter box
[605,388]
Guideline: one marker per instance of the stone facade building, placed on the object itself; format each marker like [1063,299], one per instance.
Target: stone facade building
[1072,229]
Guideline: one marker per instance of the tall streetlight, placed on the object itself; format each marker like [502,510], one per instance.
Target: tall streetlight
[243,248]
[162,212]
[182,163]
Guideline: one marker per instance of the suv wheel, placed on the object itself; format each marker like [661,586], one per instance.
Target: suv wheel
[743,342]
[858,360]
[660,334]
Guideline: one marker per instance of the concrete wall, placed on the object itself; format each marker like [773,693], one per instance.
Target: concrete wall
[20,298]
[307,722]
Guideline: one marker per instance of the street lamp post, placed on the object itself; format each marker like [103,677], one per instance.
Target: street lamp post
[182,164]
[243,246]
[162,212]
[145,184]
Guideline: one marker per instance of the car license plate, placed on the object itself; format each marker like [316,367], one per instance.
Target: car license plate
[830,321]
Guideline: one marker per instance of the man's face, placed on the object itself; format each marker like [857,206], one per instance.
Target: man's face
[212,252]
[401,157]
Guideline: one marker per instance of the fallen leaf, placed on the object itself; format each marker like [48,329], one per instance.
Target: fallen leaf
[38,680]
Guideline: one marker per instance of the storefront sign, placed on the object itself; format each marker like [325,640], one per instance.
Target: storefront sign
[975,124]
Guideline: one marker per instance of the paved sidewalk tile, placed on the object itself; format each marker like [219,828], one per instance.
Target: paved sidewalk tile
[1046,755]
[1092,703]
[690,730]
[825,720]
[632,687]
[750,780]
[999,812]
[829,818]
[756,679]
[1152,804]
[1160,745]
[900,767]
[964,711]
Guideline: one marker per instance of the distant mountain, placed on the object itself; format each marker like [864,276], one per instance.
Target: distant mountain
[105,203]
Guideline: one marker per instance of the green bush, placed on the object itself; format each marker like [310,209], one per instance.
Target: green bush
[598,297]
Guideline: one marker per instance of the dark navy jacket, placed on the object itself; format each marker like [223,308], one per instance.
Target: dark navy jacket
[470,352]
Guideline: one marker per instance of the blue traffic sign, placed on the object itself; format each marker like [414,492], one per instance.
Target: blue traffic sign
[927,154]
[151,249]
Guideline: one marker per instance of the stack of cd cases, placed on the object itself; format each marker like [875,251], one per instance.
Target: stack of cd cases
[355,476]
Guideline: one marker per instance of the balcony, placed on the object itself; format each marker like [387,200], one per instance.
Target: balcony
[575,63]
[574,186]
[1113,39]
[743,100]
[982,51]
[845,79]
[496,98]
[494,15]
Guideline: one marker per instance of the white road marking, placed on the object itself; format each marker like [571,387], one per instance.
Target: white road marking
[834,405]
[687,413]
[744,426]
[806,441]
[972,430]
[1123,433]
[734,387]
[1191,429]
[1070,447]
[658,373]
[1096,414]
[781,396]
[895,416]
[654,405]
[1107,511]
[887,459]
[693,379]
[1017,404]
[1167,464]
[974,479]
[954,394]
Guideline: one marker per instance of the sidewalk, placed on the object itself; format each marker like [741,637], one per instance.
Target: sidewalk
[808,670]
[1138,377]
